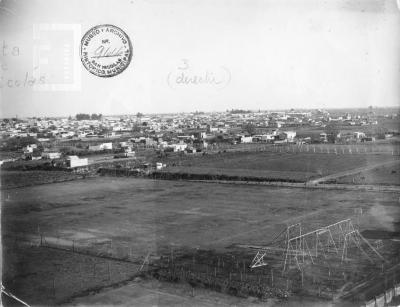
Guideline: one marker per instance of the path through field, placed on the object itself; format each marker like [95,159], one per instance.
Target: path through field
[352,171]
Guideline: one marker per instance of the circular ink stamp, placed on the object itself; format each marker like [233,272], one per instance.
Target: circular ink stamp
[106,51]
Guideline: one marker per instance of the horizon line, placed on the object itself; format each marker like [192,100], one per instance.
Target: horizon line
[205,112]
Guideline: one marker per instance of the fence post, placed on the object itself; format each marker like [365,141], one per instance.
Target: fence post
[272,277]
[54,286]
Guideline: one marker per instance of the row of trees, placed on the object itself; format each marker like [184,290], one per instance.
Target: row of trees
[13,144]
[94,116]
[238,111]
[83,116]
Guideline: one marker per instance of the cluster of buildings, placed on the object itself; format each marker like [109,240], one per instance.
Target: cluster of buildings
[189,132]
[222,122]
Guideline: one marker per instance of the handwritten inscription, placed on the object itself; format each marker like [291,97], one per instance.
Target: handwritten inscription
[185,75]
[8,79]
[102,52]
[7,50]
[27,80]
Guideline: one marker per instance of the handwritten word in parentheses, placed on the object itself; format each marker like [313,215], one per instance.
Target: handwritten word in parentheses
[185,78]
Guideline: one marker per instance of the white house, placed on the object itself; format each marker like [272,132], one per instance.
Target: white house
[75,161]
[100,147]
[178,147]
[246,139]
[359,135]
[290,135]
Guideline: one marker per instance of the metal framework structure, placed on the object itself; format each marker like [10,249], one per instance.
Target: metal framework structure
[273,246]
[302,248]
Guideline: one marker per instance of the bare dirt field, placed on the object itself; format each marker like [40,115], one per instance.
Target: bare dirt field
[135,217]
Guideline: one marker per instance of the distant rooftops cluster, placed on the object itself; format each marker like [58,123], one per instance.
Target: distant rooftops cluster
[188,131]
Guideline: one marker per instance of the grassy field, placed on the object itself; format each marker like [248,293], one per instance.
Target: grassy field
[386,175]
[46,276]
[15,179]
[156,293]
[296,166]
[159,216]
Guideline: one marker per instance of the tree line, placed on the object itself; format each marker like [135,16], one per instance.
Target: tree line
[83,116]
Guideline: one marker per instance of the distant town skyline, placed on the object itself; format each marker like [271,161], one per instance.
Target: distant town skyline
[349,110]
[303,54]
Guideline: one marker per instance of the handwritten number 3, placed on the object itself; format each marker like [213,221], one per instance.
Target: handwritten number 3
[186,63]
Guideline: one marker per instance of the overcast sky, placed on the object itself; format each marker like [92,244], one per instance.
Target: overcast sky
[266,54]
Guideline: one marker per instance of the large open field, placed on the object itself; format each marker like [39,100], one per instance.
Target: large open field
[295,166]
[134,217]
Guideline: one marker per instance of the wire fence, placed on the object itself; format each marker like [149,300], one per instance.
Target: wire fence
[385,298]
[64,269]
[112,263]
[335,149]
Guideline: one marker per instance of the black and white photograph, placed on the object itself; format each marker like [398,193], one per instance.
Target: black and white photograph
[204,153]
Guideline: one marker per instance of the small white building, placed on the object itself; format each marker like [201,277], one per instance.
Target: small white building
[29,148]
[106,146]
[358,135]
[129,152]
[290,135]
[178,147]
[99,147]
[51,155]
[246,139]
[75,161]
